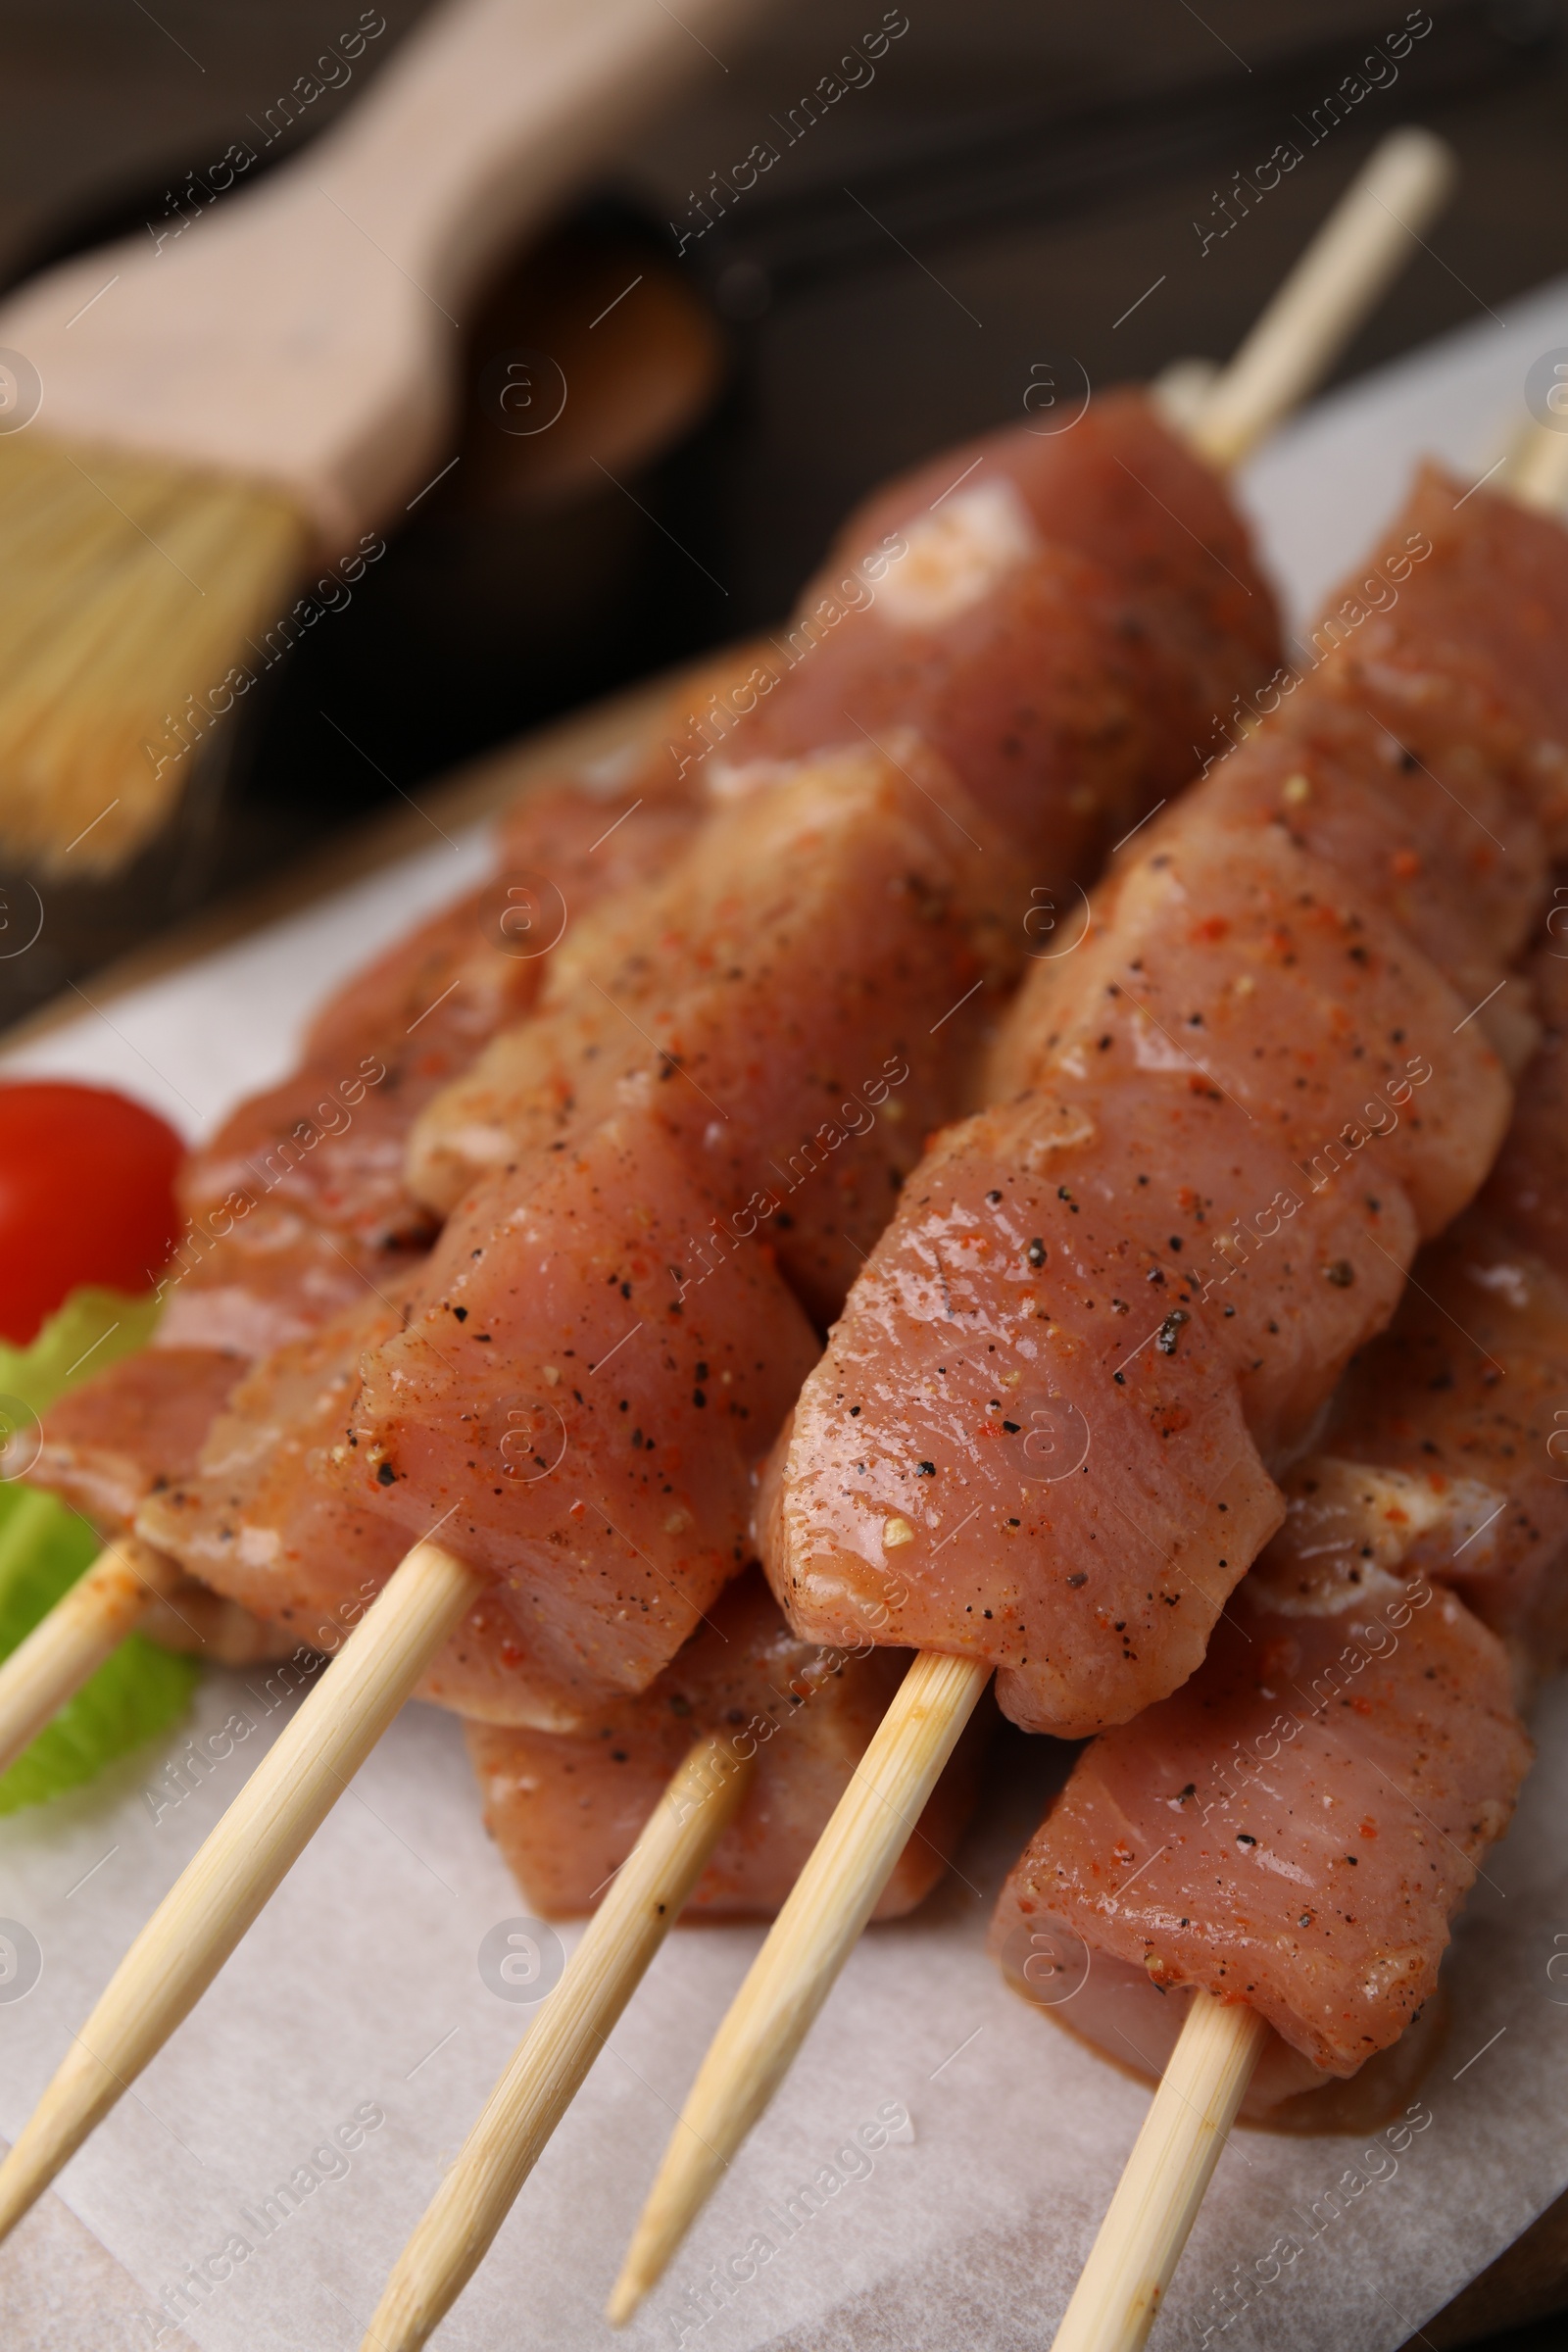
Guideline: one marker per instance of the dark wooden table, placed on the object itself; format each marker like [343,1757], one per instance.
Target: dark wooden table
[1010,182]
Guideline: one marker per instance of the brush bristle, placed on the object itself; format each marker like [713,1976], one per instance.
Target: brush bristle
[128,592]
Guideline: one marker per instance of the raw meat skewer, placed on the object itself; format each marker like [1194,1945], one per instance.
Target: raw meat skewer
[225,1886]
[1515,1238]
[324,1220]
[902,1392]
[937,939]
[480,2188]
[295,1207]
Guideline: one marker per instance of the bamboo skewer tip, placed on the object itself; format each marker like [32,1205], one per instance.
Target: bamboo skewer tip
[549,2064]
[802,1955]
[216,1898]
[625,2297]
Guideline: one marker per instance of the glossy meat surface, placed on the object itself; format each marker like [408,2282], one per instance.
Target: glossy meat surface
[802,998]
[1107,1312]
[1028,1440]
[1437,1467]
[579,1411]
[1296,1826]
[1061,616]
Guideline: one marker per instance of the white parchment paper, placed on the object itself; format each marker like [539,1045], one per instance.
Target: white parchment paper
[265,2171]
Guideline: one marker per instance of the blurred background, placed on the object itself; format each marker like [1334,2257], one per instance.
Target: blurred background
[1016,197]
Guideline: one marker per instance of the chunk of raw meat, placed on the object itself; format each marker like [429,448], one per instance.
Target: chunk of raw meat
[566,1810]
[1295,1828]
[1044,1430]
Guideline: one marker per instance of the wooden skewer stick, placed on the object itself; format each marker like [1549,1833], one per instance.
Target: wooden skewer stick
[1534,469]
[549,2065]
[807,1945]
[1141,2238]
[1344,273]
[213,1903]
[105,1603]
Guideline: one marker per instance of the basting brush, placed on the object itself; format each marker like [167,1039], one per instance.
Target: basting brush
[192,425]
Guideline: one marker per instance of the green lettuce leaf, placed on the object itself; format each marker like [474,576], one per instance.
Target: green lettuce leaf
[44,1546]
[89,1332]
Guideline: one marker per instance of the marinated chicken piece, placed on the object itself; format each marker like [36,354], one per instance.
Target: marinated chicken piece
[1363,803]
[803,999]
[1106,1313]
[559,849]
[573,1412]
[299,1202]
[1462,1404]
[1060,616]
[139,1425]
[1241,964]
[259,1516]
[111,1443]
[566,1811]
[1296,1828]
[1355,1713]
[1458,623]
[1027,1440]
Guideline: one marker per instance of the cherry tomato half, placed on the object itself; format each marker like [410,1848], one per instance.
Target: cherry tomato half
[86,1195]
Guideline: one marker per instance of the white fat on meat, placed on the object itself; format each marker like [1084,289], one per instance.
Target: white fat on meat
[739,779]
[731,780]
[956,557]
[602,778]
[1350,1532]
[1512,1282]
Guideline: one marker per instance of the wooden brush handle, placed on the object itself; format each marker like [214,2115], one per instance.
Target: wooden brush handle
[485,113]
[305,331]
